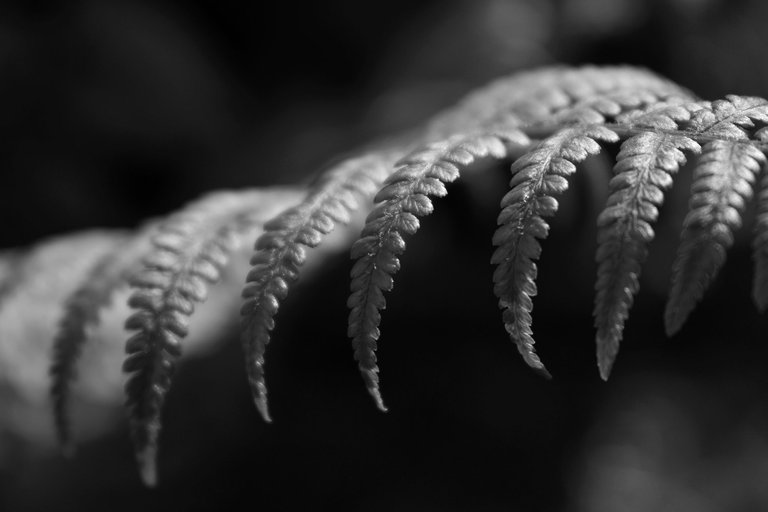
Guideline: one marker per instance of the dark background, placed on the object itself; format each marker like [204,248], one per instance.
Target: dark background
[111,112]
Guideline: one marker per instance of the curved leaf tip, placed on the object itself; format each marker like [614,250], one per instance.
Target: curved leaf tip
[147,460]
[260,400]
[371,378]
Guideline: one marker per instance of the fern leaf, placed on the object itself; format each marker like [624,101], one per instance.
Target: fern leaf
[760,249]
[722,183]
[280,253]
[404,198]
[590,81]
[577,94]
[644,168]
[672,114]
[571,110]
[608,106]
[594,110]
[82,310]
[606,97]
[43,277]
[730,118]
[760,240]
[536,177]
[189,253]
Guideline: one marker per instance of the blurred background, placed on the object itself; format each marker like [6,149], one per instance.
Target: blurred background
[115,111]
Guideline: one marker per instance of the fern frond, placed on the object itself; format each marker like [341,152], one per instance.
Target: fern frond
[732,118]
[536,177]
[189,253]
[760,240]
[672,114]
[591,81]
[82,311]
[643,170]
[723,181]
[404,198]
[611,105]
[280,252]
[569,113]
[584,94]
[43,277]
[760,249]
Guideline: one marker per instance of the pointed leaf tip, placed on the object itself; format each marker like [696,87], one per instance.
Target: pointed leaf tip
[673,320]
[147,459]
[259,395]
[607,350]
[376,394]
[541,370]
[371,379]
[605,366]
[677,311]
[262,407]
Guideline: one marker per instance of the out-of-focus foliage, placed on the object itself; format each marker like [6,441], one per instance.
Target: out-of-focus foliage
[657,444]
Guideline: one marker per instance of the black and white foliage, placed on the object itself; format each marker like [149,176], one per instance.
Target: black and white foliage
[544,123]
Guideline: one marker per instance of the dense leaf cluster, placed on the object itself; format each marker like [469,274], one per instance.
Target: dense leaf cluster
[544,122]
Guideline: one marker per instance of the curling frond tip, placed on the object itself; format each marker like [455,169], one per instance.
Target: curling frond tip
[537,177]
[723,179]
[371,379]
[405,196]
[644,169]
[281,251]
[376,394]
